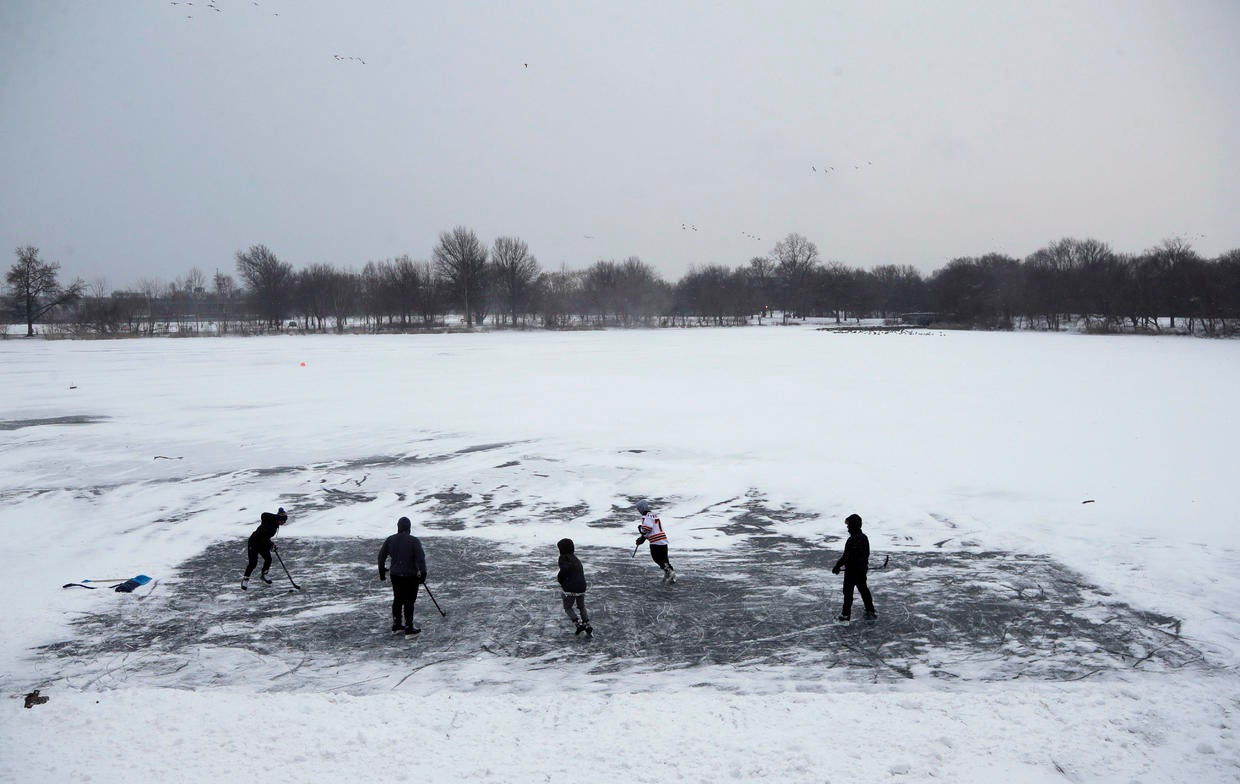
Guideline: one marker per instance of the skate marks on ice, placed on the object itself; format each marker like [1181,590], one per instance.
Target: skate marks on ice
[77,419]
[766,605]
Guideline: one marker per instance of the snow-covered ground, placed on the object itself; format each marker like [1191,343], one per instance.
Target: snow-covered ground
[1023,633]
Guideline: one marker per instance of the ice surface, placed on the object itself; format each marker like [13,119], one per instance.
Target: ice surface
[1023,635]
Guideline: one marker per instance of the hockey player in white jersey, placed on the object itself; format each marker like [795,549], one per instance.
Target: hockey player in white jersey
[651,530]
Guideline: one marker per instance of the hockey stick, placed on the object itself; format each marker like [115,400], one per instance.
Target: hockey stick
[285,568]
[886,558]
[91,587]
[428,593]
[125,584]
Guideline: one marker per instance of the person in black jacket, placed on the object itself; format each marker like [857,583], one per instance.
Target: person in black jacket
[572,580]
[260,544]
[856,563]
[408,571]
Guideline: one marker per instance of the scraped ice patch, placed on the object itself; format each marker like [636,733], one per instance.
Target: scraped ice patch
[765,607]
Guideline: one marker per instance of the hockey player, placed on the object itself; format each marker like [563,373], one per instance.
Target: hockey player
[651,530]
[408,572]
[260,544]
[856,563]
[572,580]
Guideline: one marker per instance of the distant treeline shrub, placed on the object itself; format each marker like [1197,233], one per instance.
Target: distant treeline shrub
[1070,281]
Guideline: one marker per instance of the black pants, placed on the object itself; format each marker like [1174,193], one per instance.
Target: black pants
[252,560]
[659,553]
[579,600]
[404,594]
[857,580]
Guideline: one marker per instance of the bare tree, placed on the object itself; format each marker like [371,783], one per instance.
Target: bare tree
[34,286]
[796,259]
[899,288]
[515,273]
[224,285]
[194,282]
[760,280]
[96,311]
[312,295]
[344,292]
[557,294]
[270,282]
[461,260]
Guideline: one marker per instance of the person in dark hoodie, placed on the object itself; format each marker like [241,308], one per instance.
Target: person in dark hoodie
[856,563]
[260,544]
[572,580]
[408,572]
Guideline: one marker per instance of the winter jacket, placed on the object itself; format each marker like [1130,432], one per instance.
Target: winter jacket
[261,538]
[651,527]
[856,557]
[572,576]
[405,550]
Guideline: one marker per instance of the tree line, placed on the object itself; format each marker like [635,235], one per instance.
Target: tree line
[1066,282]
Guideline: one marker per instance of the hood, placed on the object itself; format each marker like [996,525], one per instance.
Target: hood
[403,525]
[566,546]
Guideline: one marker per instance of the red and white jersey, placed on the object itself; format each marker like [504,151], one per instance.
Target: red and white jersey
[651,527]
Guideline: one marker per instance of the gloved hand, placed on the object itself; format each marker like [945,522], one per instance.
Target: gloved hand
[835,570]
[275,546]
[640,540]
[382,575]
[421,577]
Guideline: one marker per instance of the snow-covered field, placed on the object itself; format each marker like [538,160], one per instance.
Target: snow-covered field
[1023,634]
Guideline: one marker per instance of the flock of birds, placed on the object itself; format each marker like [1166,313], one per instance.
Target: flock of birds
[831,169]
[340,58]
[747,235]
[210,4]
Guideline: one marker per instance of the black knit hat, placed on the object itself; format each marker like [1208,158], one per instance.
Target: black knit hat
[853,520]
[282,513]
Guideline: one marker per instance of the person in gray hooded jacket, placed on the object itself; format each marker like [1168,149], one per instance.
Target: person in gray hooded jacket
[408,571]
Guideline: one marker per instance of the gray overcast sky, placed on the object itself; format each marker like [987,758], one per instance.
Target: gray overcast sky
[136,142]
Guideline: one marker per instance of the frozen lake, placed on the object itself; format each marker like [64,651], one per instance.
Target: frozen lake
[1008,600]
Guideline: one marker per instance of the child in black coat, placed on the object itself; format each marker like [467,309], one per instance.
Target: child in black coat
[572,580]
[260,543]
[855,562]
